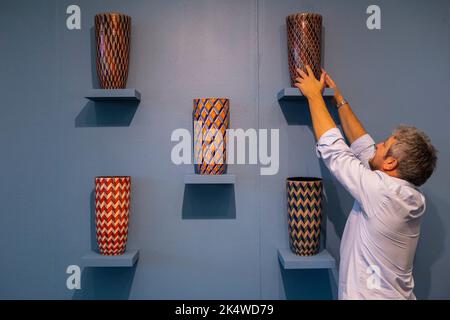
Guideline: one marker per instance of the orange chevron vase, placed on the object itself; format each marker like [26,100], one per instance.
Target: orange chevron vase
[112,209]
[113,36]
[304,197]
[304,34]
[211,118]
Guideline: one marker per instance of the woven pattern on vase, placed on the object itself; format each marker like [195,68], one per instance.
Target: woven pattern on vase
[304,215]
[304,34]
[112,207]
[113,36]
[211,117]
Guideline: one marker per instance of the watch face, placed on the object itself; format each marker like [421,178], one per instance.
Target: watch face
[343,102]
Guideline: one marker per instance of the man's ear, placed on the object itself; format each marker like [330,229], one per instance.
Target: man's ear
[390,164]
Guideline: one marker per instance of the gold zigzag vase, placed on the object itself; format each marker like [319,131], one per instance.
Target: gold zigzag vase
[211,119]
[304,197]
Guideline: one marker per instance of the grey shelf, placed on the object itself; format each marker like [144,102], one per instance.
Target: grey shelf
[209,179]
[94,259]
[292,94]
[114,95]
[322,260]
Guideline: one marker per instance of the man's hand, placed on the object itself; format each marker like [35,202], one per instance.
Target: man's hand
[308,84]
[312,89]
[331,84]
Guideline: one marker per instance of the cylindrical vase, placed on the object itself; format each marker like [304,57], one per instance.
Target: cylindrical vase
[113,36]
[211,118]
[112,208]
[304,197]
[304,35]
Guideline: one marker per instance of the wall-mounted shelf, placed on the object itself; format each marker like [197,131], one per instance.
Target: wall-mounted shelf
[322,260]
[114,95]
[294,106]
[292,94]
[94,259]
[209,179]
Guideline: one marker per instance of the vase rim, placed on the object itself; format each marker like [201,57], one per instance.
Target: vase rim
[211,98]
[112,177]
[305,14]
[304,179]
[112,14]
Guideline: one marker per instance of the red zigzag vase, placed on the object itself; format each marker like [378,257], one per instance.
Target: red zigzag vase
[112,208]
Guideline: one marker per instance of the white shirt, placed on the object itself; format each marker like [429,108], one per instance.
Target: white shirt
[382,230]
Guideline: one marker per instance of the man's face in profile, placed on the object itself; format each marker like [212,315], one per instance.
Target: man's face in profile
[380,159]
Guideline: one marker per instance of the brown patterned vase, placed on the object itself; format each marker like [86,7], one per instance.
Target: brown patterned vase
[113,34]
[304,34]
[304,214]
[211,117]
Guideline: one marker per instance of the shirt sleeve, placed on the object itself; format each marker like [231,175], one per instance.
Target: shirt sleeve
[364,149]
[363,184]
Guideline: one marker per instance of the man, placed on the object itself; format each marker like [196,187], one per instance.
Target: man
[382,230]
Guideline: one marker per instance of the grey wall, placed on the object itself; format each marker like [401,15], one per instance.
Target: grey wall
[53,142]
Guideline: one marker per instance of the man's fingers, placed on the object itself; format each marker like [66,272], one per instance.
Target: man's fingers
[322,78]
[299,80]
[299,86]
[301,73]
[310,72]
[328,80]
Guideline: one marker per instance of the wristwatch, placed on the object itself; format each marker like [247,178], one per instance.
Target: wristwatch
[342,103]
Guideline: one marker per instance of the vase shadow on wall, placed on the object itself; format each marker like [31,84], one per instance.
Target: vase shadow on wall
[208,201]
[103,283]
[296,112]
[430,248]
[93,227]
[106,114]
[307,284]
[95,82]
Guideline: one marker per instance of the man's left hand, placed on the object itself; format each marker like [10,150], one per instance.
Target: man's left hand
[308,84]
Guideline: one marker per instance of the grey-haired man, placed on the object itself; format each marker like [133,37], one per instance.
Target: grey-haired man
[382,230]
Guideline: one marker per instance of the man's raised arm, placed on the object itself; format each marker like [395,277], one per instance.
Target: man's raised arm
[351,125]
[343,163]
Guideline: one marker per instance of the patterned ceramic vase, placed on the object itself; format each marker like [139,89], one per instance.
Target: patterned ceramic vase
[304,214]
[211,117]
[304,34]
[113,34]
[112,208]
